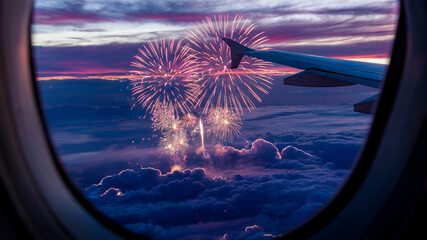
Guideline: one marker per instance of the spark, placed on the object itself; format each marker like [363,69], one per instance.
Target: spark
[223,124]
[220,86]
[164,75]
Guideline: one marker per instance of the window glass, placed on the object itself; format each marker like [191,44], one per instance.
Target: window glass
[157,131]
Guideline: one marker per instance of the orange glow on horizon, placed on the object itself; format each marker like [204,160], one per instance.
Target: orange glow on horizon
[273,71]
[69,77]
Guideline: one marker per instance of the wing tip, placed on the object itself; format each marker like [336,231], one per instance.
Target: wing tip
[237,52]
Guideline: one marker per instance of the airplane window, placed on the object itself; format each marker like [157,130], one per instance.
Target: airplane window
[210,119]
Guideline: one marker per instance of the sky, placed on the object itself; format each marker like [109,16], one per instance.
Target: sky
[295,149]
[85,38]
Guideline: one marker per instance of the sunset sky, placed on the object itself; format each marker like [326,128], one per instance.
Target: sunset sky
[81,39]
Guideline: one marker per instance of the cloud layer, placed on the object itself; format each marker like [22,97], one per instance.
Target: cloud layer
[288,162]
[287,188]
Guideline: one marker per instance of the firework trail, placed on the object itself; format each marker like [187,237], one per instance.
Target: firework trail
[164,74]
[223,124]
[220,86]
[202,133]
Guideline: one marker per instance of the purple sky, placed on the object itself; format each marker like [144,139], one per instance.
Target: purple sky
[83,38]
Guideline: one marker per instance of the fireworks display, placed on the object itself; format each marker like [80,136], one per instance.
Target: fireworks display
[220,86]
[224,124]
[190,90]
[165,75]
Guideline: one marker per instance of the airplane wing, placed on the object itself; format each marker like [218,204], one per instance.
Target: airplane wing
[318,71]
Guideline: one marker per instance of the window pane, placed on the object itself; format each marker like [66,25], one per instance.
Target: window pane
[165,139]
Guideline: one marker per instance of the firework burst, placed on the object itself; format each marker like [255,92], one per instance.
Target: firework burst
[223,124]
[164,75]
[189,120]
[173,138]
[220,86]
[175,144]
[166,121]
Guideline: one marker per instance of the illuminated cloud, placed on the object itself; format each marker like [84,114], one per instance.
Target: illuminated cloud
[182,202]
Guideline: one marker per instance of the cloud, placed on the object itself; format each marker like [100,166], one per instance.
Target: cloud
[89,59]
[253,232]
[65,16]
[190,202]
[290,152]
[261,153]
[88,10]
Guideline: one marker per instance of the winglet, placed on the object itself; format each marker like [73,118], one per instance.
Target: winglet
[367,106]
[237,52]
